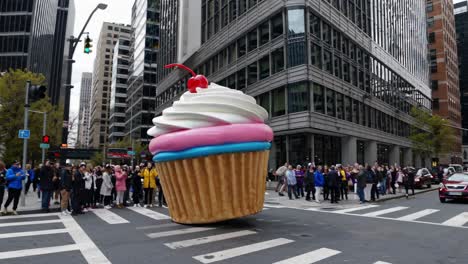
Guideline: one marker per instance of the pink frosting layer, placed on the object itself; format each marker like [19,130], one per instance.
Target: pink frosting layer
[210,136]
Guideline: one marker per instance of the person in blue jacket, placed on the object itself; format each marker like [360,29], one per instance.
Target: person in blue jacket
[319,181]
[14,177]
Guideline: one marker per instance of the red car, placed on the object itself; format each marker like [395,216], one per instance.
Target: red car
[455,187]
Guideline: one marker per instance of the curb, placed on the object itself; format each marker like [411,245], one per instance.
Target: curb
[404,196]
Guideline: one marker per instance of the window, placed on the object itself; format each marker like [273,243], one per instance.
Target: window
[435,85]
[232,10]
[327,61]
[277,26]
[242,6]
[431,37]
[336,39]
[232,53]
[253,73]
[429,7]
[252,40]
[296,21]
[277,60]
[326,33]
[298,97]
[279,105]
[316,55]
[231,81]
[264,33]
[241,79]
[435,104]
[337,66]
[264,101]
[331,103]
[264,64]
[346,75]
[355,111]
[430,21]
[318,99]
[315,25]
[339,106]
[241,47]
[348,109]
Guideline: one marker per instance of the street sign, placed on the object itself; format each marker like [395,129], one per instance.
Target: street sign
[131,153]
[24,134]
[44,146]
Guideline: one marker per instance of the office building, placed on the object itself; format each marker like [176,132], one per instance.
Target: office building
[84,111]
[444,70]
[119,90]
[338,78]
[33,36]
[102,82]
[141,91]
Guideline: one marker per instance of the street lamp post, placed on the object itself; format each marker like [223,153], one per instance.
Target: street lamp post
[73,43]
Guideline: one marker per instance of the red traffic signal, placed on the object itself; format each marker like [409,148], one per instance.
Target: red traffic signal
[46,139]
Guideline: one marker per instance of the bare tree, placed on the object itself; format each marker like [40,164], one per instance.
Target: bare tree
[73,129]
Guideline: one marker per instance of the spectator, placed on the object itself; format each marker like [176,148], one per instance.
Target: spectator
[319,182]
[291,180]
[14,177]
[65,188]
[46,179]
[361,184]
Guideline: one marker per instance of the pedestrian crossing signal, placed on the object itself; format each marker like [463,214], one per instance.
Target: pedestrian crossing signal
[46,139]
[87,45]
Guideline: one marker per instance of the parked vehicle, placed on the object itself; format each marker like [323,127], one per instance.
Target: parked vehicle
[423,178]
[455,187]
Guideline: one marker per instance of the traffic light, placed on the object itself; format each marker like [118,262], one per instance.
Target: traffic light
[37,92]
[87,45]
[46,139]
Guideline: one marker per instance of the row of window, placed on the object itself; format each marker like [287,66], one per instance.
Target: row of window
[18,23]
[296,98]
[19,43]
[16,6]
[358,11]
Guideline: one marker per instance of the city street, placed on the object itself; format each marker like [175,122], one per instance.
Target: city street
[396,231]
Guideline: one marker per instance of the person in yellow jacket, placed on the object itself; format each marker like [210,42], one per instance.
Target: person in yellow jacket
[149,175]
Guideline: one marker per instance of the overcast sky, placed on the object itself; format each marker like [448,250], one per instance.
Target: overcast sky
[118,11]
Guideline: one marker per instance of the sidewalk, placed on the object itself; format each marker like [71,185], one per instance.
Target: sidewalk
[33,203]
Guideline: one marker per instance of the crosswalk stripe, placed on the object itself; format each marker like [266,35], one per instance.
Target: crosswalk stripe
[418,215]
[239,251]
[179,232]
[37,251]
[208,239]
[385,211]
[311,257]
[149,213]
[31,223]
[458,220]
[273,206]
[34,233]
[109,217]
[157,226]
[27,216]
[382,262]
[349,210]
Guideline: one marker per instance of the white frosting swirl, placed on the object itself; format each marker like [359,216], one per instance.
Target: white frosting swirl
[213,106]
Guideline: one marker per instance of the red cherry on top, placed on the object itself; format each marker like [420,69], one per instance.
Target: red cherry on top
[196,81]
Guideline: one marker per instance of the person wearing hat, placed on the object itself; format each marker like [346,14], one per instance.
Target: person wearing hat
[66,182]
[14,177]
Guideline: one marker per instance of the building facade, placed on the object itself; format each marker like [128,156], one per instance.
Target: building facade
[33,37]
[102,82]
[119,90]
[444,70]
[144,51]
[85,108]
[338,78]
[461,22]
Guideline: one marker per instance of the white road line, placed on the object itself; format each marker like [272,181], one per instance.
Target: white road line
[109,217]
[34,233]
[311,257]
[88,249]
[157,226]
[179,232]
[382,262]
[208,239]
[418,215]
[385,211]
[149,213]
[266,208]
[273,206]
[239,251]
[458,220]
[349,210]
[30,223]
[27,216]
[37,251]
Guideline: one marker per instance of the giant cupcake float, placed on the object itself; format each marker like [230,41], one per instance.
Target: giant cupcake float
[211,151]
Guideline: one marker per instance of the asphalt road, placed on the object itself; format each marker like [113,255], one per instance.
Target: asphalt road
[417,230]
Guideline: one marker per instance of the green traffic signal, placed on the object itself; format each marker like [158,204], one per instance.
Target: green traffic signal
[87,45]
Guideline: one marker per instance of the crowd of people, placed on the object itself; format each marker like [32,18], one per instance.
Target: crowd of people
[77,189]
[334,182]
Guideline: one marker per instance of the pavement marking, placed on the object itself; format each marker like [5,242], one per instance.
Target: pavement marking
[34,233]
[349,210]
[458,220]
[157,226]
[239,251]
[109,217]
[311,257]
[31,223]
[180,232]
[27,216]
[418,215]
[273,206]
[208,239]
[266,208]
[386,211]
[88,249]
[149,213]
[37,251]
[382,262]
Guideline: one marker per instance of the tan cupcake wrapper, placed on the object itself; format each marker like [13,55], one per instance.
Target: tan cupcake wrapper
[214,188]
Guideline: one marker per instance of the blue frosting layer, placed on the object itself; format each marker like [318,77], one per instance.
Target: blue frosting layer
[211,150]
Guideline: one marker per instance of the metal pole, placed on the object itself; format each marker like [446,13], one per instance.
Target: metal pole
[25,141]
[43,134]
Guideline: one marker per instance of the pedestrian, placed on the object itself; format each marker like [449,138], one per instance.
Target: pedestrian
[161,198]
[326,190]
[3,173]
[56,183]
[14,178]
[309,181]
[66,181]
[343,183]
[319,182]
[361,184]
[106,187]
[149,184]
[375,181]
[78,188]
[136,183]
[409,181]
[333,181]
[400,180]
[46,179]
[300,180]
[30,179]
[37,182]
[383,181]
[280,174]
[128,184]
[120,185]
[393,178]
[97,192]
[90,186]
[291,180]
